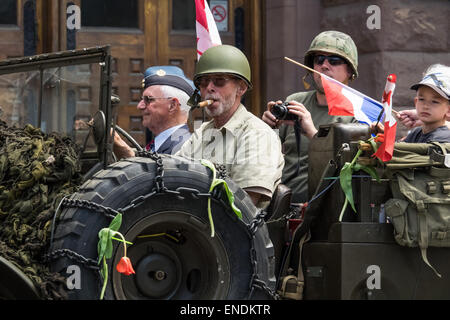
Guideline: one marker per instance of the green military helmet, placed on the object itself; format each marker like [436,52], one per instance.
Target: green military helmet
[334,42]
[223,59]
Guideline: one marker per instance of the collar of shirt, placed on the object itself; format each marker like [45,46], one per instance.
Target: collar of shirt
[163,136]
[234,123]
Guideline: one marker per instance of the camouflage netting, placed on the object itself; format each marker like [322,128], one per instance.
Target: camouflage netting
[36,171]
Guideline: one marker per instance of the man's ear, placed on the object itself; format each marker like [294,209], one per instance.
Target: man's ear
[351,75]
[174,103]
[242,89]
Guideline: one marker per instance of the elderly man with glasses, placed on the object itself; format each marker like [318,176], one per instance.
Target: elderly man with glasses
[332,53]
[164,110]
[249,148]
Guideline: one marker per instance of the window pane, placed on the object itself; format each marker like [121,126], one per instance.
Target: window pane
[111,13]
[183,15]
[8,12]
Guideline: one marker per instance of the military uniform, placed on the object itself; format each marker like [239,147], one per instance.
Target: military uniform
[295,172]
[248,147]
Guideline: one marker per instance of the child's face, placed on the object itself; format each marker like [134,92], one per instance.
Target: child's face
[431,107]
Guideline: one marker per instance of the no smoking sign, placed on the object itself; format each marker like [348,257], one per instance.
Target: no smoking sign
[219,10]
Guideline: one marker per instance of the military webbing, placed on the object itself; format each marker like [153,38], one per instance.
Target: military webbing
[422,213]
[291,285]
[414,155]
[419,209]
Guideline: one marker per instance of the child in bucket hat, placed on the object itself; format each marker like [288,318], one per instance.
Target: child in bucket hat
[432,104]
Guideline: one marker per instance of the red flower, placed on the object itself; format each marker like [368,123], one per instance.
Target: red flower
[379,138]
[124,266]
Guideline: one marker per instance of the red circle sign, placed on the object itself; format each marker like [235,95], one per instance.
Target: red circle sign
[219,13]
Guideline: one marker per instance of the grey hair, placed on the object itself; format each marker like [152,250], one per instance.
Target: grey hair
[172,92]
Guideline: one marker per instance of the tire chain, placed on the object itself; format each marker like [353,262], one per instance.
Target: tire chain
[67,253]
[159,188]
[255,282]
[107,211]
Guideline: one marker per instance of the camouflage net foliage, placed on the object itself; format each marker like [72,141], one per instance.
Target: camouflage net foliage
[36,171]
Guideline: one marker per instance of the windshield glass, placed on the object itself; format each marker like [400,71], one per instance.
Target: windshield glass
[68,100]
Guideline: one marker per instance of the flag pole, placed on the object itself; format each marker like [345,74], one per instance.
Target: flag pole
[302,65]
[331,79]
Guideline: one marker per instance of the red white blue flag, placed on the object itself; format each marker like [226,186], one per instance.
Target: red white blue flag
[345,101]
[386,149]
[207,34]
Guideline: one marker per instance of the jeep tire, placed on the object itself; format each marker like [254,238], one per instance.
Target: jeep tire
[173,253]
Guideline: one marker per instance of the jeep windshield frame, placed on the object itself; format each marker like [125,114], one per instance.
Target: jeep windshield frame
[46,78]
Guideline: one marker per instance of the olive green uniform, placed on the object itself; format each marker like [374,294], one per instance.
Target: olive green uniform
[298,182]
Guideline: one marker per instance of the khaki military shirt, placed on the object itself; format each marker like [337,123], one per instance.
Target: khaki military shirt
[248,147]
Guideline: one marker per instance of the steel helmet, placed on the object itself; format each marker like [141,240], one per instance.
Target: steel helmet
[334,42]
[223,59]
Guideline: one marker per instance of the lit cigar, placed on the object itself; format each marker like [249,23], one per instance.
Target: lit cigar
[205,103]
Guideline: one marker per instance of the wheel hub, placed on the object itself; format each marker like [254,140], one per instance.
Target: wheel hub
[157,275]
[189,266]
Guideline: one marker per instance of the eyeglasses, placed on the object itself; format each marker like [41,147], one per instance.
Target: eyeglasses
[149,99]
[218,81]
[333,60]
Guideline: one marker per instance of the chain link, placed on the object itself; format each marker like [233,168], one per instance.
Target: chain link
[221,171]
[107,211]
[255,282]
[159,182]
[257,222]
[259,284]
[292,214]
[67,253]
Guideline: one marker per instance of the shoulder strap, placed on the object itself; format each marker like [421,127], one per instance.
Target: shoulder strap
[291,285]
[422,213]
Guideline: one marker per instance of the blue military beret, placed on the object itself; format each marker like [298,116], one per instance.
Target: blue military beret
[168,75]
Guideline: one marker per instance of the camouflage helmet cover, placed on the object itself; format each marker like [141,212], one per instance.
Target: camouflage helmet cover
[334,42]
[223,59]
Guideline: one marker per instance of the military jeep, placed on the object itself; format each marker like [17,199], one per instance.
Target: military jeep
[182,250]
[163,200]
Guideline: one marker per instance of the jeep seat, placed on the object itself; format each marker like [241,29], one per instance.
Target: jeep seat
[280,203]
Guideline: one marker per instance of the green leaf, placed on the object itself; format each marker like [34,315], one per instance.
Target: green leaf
[105,235]
[346,182]
[105,246]
[370,170]
[116,222]
[230,196]
[215,183]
